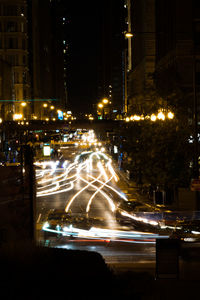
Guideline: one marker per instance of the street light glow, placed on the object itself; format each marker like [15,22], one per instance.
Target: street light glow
[170,115]
[153,117]
[23,104]
[45,105]
[105,101]
[100,105]
[17,117]
[161,116]
[128,35]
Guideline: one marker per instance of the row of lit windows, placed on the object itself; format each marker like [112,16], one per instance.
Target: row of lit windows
[12,27]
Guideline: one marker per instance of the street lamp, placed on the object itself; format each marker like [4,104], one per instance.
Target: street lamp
[128,35]
[105,101]
[100,105]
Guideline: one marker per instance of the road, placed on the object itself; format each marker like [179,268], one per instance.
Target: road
[85,190]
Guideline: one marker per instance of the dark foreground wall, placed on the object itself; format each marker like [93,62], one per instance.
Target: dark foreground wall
[50,273]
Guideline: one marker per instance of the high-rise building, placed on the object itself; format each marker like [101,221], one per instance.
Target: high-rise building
[165,44]
[110,76]
[141,64]
[178,52]
[14,58]
[48,50]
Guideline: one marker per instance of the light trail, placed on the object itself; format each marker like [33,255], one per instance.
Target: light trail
[57,192]
[106,234]
[78,193]
[113,189]
[67,170]
[98,190]
[144,220]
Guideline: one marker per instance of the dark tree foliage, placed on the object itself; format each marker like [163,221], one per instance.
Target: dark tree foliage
[157,153]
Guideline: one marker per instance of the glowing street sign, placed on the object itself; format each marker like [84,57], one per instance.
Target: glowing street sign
[46,150]
[60,114]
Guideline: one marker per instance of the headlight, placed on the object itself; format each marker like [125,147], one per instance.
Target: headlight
[45,226]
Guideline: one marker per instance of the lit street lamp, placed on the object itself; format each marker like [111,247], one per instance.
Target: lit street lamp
[128,35]
[100,105]
[105,101]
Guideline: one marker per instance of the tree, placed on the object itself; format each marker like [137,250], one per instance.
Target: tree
[160,153]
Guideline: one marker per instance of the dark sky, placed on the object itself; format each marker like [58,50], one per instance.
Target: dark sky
[85,35]
[93,24]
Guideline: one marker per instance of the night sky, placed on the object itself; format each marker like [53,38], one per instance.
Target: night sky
[85,36]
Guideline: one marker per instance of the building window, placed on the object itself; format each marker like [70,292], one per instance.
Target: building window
[197,75]
[10,10]
[13,60]
[16,77]
[24,60]
[197,33]
[11,27]
[12,43]
[24,92]
[23,44]
[24,77]
[1,87]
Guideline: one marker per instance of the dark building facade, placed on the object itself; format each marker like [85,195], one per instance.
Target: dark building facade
[110,65]
[177,51]
[139,76]
[14,57]
[6,91]
[48,48]
[165,44]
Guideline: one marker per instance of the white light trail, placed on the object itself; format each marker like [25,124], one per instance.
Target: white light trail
[144,220]
[112,205]
[57,192]
[78,193]
[113,189]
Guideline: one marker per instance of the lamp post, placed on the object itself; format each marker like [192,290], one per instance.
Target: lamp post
[100,105]
[105,101]
[45,105]
[127,67]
